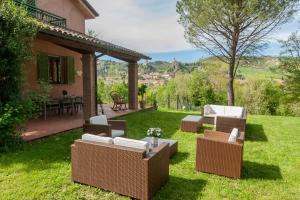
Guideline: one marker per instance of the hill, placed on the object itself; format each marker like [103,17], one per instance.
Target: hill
[259,67]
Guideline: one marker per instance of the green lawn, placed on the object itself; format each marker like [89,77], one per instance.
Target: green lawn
[258,73]
[271,164]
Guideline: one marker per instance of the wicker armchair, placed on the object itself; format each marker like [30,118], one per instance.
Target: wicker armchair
[123,170]
[215,155]
[112,128]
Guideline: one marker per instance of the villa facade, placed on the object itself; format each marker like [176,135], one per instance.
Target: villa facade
[66,57]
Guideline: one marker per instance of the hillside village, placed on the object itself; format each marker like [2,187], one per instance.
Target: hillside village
[160,72]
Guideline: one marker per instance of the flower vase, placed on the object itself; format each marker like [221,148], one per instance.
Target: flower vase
[154,141]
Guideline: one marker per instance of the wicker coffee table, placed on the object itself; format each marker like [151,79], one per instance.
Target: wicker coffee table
[191,123]
[172,144]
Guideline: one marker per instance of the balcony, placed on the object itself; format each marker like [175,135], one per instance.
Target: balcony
[42,15]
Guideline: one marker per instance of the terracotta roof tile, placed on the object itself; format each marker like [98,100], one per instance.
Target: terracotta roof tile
[89,40]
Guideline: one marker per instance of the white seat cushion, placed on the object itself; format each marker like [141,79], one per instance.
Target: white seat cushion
[138,144]
[99,120]
[96,138]
[192,118]
[117,133]
[233,135]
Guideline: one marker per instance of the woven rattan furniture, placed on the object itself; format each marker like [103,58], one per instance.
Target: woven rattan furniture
[225,118]
[191,123]
[119,101]
[215,155]
[173,144]
[112,128]
[123,170]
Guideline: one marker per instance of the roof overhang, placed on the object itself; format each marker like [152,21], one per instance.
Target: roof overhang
[84,44]
[87,9]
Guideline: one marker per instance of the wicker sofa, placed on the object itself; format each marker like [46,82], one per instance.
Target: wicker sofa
[216,155]
[99,125]
[124,170]
[225,118]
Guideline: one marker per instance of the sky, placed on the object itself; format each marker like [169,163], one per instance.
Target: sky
[151,27]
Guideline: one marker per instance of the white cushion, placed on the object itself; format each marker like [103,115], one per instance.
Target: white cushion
[138,144]
[192,118]
[99,120]
[218,110]
[233,111]
[117,133]
[208,110]
[233,135]
[96,138]
[225,111]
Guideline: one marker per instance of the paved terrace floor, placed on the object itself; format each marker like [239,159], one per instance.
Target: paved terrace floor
[39,128]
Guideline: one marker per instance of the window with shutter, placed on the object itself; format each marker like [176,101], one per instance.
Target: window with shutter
[43,67]
[71,69]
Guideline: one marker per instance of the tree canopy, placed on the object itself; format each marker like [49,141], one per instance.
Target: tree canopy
[231,29]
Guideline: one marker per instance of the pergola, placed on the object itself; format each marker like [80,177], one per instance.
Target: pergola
[88,46]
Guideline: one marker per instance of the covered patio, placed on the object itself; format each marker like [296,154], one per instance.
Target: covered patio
[40,128]
[91,49]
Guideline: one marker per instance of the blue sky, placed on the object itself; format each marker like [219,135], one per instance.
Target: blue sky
[151,27]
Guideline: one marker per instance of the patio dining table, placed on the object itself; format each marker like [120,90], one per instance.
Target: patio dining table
[61,103]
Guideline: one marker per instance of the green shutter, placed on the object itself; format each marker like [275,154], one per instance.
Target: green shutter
[43,67]
[63,70]
[71,70]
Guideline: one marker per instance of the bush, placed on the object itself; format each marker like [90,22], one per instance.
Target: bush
[17,32]
[13,115]
[259,96]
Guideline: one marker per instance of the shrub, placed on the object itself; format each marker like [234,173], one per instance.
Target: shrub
[259,96]
[17,32]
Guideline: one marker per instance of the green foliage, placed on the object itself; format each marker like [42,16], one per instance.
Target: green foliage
[230,30]
[104,90]
[13,115]
[17,32]
[260,96]
[142,91]
[201,90]
[290,66]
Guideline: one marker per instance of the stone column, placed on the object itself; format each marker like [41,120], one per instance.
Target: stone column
[89,85]
[133,85]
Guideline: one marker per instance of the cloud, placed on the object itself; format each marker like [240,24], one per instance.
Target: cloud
[145,26]
[150,26]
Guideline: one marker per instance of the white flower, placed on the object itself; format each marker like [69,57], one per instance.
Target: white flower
[154,132]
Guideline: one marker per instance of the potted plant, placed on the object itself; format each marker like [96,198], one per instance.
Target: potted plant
[142,92]
[155,133]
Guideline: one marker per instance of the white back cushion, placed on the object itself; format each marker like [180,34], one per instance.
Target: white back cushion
[233,111]
[208,110]
[218,110]
[233,135]
[99,120]
[132,143]
[96,138]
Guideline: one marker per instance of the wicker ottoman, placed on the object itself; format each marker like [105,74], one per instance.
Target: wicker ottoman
[191,123]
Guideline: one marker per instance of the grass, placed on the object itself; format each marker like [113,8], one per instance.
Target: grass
[41,170]
[260,73]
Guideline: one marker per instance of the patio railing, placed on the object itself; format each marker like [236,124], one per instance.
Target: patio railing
[42,14]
